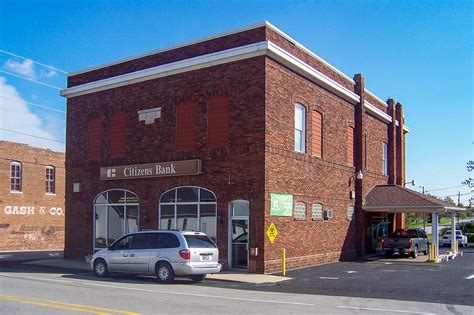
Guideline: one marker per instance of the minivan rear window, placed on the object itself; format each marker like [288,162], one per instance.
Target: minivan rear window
[199,241]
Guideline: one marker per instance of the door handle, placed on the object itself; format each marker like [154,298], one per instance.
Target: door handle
[124,254]
[132,255]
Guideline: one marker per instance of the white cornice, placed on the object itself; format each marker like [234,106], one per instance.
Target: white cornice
[219,35]
[222,57]
[195,63]
[377,112]
[158,51]
[376,97]
[309,72]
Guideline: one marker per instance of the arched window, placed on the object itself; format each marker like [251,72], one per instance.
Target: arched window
[300,211]
[189,208]
[300,128]
[116,214]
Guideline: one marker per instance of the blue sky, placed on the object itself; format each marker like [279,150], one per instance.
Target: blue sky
[418,52]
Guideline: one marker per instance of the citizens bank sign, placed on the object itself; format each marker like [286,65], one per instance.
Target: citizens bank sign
[177,168]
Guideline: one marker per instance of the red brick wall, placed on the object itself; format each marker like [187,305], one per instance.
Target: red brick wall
[232,172]
[118,125]
[326,180]
[186,126]
[198,49]
[43,226]
[218,121]
[259,159]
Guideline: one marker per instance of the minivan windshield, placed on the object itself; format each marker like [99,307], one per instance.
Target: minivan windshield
[199,241]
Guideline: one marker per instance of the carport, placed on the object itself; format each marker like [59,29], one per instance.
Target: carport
[398,199]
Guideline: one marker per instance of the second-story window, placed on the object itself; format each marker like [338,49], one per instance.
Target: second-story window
[300,128]
[385,159]
[15,176]
[50,183]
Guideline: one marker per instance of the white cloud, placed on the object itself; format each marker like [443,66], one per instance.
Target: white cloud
[16,115]
[48,73]
[25,68]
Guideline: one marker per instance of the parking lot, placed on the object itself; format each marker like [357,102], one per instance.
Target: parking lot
[400,279]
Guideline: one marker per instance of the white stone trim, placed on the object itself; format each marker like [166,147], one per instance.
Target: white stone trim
[377,112]
[158,51]
[222,57]
[309,72]
[376,97]
[195,63]
[309,52]
[223,34]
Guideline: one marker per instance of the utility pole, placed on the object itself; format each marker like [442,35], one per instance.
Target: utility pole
[422,188]
[459,199]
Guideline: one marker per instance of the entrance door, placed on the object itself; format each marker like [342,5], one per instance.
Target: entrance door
[239,234]
[240,243]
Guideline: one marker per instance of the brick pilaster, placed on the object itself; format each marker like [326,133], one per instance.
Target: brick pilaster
[359,157]
[400,156]
[392,129]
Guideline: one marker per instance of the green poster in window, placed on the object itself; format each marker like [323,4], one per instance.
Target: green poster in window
[281,205]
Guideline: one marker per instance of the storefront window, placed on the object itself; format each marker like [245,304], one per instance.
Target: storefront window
[190,209]
[116,213]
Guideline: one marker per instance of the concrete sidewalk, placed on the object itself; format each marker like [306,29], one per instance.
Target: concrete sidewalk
[222,276]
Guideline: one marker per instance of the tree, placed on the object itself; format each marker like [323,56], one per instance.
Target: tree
[470,181]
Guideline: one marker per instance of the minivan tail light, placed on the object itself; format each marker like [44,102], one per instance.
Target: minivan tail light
[409,243]
[185,254]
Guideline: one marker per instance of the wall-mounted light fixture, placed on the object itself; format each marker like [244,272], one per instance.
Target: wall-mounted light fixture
[412,183]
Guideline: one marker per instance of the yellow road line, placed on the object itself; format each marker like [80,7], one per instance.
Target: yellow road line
[62,305]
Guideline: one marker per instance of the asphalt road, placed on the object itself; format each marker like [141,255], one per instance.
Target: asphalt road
[26,292]
[365,287]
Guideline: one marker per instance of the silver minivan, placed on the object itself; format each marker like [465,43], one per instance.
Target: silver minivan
[166,253]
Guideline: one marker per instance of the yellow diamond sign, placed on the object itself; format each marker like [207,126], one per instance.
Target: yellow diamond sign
[272,233]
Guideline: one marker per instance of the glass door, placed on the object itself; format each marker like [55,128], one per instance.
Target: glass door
[240,243]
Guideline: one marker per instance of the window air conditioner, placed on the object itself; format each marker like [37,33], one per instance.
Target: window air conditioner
[328,214]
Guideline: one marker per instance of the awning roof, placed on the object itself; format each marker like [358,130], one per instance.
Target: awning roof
[394,198]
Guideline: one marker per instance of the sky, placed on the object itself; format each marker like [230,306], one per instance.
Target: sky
[418,52]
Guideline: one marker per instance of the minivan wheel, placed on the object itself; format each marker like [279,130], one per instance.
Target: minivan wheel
[415,252]
[198,278]
[100,268]
[164,273]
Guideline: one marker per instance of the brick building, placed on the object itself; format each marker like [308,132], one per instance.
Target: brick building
[31,198]
[229,135]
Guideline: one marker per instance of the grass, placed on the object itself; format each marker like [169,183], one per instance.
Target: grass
[419,224]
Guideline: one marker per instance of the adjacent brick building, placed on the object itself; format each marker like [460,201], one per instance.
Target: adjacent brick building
[228,135]
[31,198]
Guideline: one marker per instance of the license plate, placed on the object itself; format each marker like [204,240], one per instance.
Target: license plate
[206,257]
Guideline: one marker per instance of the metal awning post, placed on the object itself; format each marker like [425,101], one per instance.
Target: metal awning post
[453,234]
[434,232]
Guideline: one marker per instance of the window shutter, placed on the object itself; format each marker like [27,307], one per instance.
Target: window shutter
[93,139]
[186,126]
[218,121]
[350,146]
[317,134]
[118,126]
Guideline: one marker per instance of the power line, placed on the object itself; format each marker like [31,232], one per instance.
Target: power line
[39,63]
[36,81]
[444,188]
[454,195]
[34,104]
[27,134]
